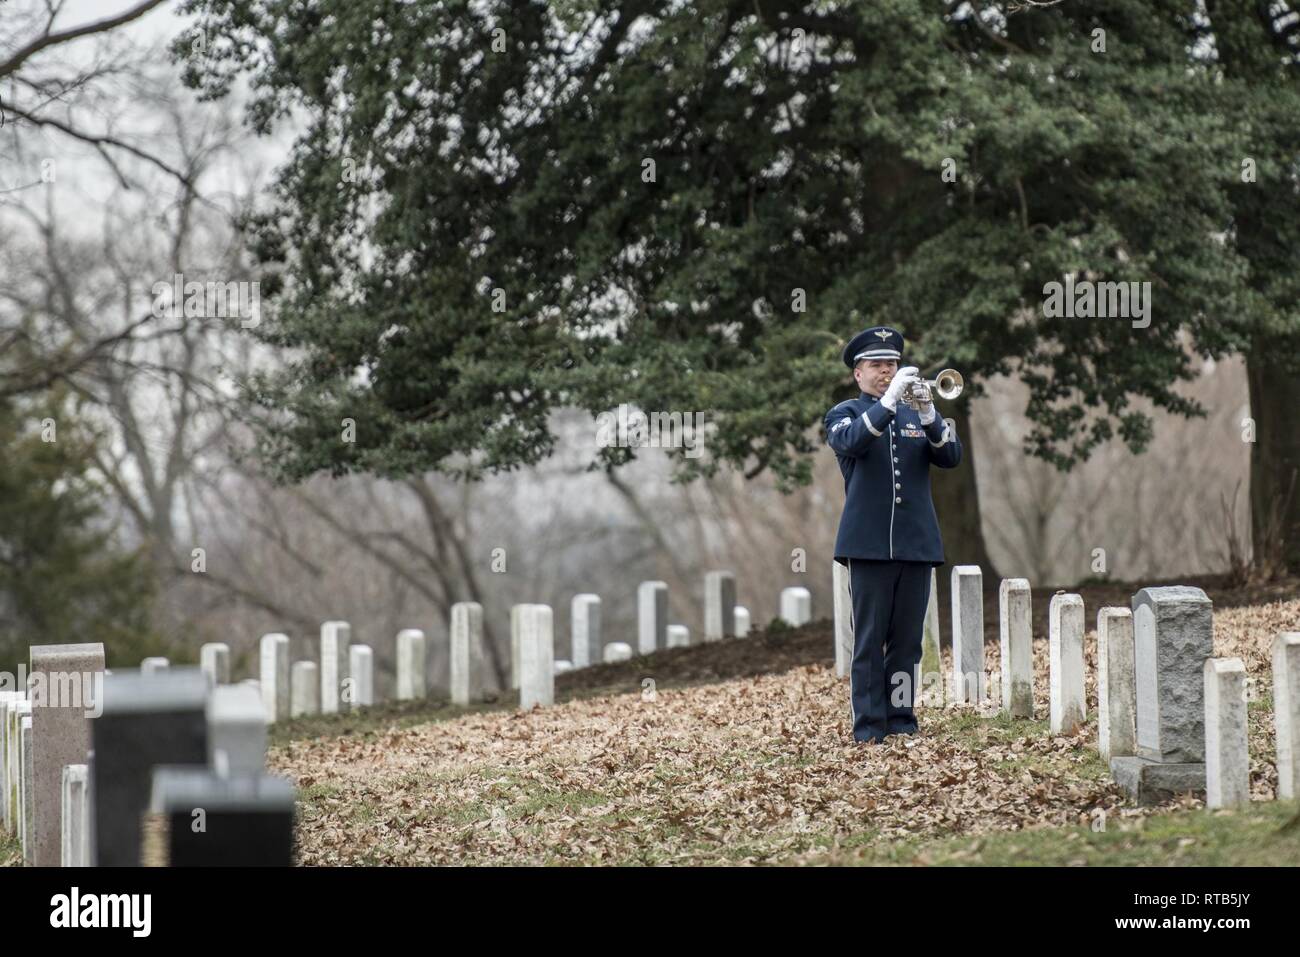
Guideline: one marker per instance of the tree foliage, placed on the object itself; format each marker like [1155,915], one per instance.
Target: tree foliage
[64,578]
[458,154]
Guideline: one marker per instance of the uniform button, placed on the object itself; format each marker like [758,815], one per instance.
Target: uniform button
[896,485]
[895,458]
[899,501]
[896,472]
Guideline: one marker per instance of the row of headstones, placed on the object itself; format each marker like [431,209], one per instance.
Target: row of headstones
[532,636]
[723,618]
[343,679]
[117,768]
[1171,717]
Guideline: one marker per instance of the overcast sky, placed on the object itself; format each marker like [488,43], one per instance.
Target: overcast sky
[84,181]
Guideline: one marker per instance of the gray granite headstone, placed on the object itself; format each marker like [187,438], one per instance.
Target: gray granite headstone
[968,677]
[18,707]
[62,686]
[335,639]
[214,661]
[74,847]
[616,651]
[236,730]
[412,660]
[466,649]
[147,720]
[7,698]
[1116,691]
[796,605]
[1173,635]
[273,655]
[742,621]
[1067,707]
[651,617]
[536,656]
[514,647]
[929,691]
[1286,712]
[584,630]
[1227,750]
[1016,642]
[361,672]
[719,605]
[304,697]
[29,818]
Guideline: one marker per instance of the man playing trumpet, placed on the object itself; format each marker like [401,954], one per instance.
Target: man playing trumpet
[885,441]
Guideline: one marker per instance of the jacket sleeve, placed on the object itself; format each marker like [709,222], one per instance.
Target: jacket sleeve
[945,447]
[850,433]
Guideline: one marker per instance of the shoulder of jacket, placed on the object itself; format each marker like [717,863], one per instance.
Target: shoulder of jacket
[847,407]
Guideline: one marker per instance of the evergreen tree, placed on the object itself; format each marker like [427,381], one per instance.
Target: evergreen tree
[63,579]
[499,208]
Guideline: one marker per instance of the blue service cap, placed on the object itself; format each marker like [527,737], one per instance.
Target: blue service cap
[878,342]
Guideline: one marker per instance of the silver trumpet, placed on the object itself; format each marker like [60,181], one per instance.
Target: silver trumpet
[947,385]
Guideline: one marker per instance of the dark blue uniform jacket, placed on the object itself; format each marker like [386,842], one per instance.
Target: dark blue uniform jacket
[885,458]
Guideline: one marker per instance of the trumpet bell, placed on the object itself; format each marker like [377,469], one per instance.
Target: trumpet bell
[949,383]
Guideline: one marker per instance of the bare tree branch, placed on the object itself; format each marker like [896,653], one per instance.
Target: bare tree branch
[100,142]
[47,39]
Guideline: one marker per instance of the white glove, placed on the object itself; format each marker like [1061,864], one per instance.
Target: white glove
[895,391]
[925,401]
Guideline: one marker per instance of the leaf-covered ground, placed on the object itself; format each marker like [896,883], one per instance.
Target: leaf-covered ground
[742,754]
[756,769]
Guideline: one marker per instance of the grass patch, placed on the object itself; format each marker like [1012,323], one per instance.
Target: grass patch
[549,799]
[1259,835]
[11,851]
[975,733]
[317,791]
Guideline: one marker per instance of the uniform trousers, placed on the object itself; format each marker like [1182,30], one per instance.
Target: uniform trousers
[889,601]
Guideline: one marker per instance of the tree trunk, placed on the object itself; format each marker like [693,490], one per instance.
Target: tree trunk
[1274,463]
[956,500]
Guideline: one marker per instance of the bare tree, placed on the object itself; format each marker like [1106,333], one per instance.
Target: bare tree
[50,80]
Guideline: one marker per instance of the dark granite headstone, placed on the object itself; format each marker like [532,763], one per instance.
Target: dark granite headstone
[147,720]
[245,820]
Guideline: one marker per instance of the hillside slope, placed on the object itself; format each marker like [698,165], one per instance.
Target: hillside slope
[756,768]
